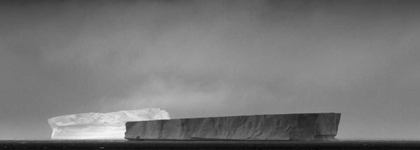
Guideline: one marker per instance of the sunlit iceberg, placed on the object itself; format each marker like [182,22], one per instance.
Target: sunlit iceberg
[100,125]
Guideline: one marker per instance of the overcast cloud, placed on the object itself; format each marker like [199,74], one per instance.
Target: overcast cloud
[211,58]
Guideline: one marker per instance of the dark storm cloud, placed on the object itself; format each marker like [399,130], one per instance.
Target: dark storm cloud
[209,58]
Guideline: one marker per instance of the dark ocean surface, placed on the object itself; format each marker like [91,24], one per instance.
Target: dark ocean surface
[123,144]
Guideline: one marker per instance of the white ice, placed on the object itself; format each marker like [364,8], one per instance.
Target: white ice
[100,125]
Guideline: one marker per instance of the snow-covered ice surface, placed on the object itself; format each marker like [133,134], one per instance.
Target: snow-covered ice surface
[100,125]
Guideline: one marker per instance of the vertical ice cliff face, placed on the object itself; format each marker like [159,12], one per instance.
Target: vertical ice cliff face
[100,125]
[302,127]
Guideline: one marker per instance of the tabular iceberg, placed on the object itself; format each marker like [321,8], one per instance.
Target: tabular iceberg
[315,126]
[100,125]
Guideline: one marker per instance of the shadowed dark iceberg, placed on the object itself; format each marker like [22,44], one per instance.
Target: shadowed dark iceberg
[313,126]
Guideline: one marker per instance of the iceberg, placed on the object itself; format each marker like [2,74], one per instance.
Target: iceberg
[294,127]
[100,125]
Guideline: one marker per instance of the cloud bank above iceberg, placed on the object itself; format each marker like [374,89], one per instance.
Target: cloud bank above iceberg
[211,58]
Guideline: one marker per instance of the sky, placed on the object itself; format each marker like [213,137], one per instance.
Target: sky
[199,58]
